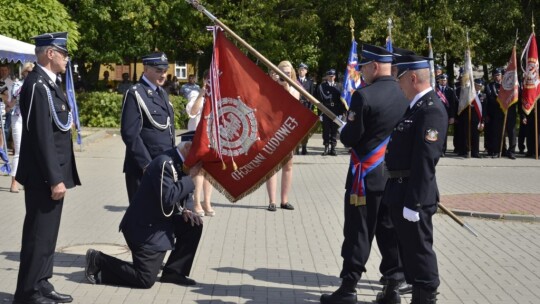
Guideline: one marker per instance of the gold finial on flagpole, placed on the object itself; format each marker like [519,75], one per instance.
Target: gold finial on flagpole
[390,26]
[532,21]
[351,25]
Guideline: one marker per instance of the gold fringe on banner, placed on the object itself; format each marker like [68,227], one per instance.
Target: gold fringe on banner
[256,186]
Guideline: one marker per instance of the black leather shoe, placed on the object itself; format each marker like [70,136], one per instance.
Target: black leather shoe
[511,156]
[34,300]
[325,152]
[91,268]
[178,279]
[304,150]
[339,297]
[59,297]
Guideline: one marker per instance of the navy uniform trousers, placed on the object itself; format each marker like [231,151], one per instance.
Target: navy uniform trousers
[40,232]
[361,224]
[146,263]
[419,259]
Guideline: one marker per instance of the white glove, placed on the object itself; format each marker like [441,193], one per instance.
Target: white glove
[341,128]
[411,215]
[320,118]
[191,217]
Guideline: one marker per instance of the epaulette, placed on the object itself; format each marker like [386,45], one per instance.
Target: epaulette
[135,87]
[41,79]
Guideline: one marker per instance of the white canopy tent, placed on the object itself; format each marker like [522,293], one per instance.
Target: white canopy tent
[14,50]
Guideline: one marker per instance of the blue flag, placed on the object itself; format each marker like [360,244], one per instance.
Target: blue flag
[353,80]
[70,89]
[389,44]
[5,168]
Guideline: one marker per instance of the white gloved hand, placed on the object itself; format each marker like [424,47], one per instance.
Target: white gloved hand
[341,128]
[411,215]
[190,217]
[320,118]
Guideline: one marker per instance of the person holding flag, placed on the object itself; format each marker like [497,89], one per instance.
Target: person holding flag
[531,92]
[374,112]
[502,118]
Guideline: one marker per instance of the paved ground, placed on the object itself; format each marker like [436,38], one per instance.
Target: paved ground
[249,255]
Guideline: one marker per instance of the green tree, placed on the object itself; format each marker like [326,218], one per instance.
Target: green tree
[24,19]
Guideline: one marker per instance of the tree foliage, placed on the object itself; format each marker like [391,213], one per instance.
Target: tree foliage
[314,32]
[24,19]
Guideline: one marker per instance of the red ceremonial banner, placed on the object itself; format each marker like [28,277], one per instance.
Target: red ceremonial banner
[250,129]
[508,93]
[531,82]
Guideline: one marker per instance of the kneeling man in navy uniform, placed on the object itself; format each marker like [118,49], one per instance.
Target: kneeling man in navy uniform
[155,221]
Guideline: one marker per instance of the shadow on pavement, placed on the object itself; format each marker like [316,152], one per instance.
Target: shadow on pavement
[115,208]
[284,276]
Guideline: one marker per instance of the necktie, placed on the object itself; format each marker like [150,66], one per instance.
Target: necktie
[160,93]
[58,81]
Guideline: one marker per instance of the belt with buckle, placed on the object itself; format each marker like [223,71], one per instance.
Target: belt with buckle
[399,173]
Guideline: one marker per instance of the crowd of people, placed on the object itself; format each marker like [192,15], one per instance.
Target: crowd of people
[395,129]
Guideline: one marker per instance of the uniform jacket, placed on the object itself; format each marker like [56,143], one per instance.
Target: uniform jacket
[493,109]
[144,223]
[143,140]
[309,86]
[416,145]
[330,97]
[375,110]
[453,101]
[46,155]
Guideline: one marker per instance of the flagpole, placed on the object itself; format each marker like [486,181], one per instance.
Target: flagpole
[351,25]
[291,82]
[432,61]
[536,128]
[471,83]
[469,129]
[390,26]
[457,219]
[535,106]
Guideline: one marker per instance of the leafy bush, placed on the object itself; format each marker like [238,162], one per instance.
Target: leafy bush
[103,109]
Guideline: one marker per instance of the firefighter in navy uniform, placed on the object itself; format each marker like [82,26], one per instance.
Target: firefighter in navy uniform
[308,85]
[494,116]
[375,110]
[329,94]
[147,122]
[156,221]
[450,102]
[411,191]
[46,169]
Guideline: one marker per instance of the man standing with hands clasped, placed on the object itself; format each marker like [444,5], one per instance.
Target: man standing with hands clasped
[411,191]
[46,169]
